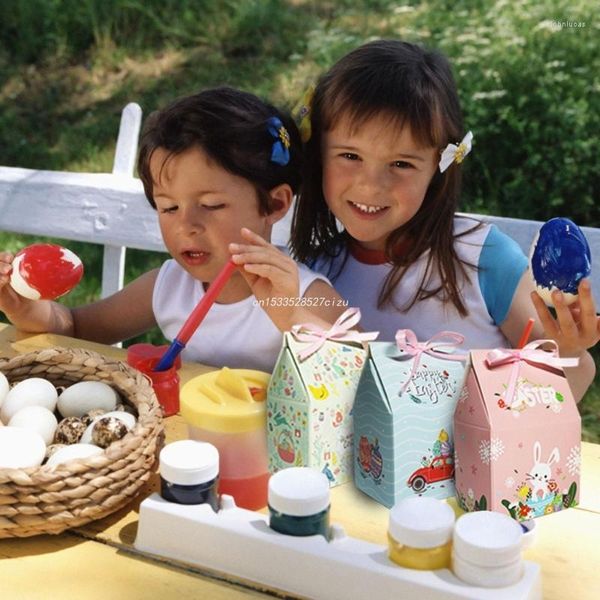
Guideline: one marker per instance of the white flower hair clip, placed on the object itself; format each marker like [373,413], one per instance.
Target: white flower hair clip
[453,153]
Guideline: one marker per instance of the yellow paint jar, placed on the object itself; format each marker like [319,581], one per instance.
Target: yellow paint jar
[420,534]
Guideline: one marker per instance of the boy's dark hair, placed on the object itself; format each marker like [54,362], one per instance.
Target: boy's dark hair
[411,86]
[231,127]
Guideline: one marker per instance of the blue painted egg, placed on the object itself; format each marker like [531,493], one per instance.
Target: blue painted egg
[560,258]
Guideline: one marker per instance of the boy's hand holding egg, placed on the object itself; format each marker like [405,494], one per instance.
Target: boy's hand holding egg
[45,271]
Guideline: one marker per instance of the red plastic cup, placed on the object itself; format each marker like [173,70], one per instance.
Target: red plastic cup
[165,383]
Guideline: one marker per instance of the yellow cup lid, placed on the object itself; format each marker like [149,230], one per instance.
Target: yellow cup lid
[229,400]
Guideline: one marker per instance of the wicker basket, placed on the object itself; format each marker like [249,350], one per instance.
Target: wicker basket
[51,499]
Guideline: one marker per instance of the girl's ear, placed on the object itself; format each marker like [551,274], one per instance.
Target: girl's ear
[281,200]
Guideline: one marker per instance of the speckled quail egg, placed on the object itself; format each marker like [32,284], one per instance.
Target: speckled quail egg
[52,448]
[69,431]
[89,416]
[108,430]
[36,418]
[84,396]
[128,420]
[34,391]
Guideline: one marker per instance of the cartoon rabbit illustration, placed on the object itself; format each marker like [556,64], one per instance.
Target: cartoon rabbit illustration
[541,473]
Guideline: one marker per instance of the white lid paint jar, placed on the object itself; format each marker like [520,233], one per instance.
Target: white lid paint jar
[420,533]
[487,549]
[299,502]
[189,473]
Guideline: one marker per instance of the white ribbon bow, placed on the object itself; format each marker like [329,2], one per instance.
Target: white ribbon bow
[340,331]
[453,153]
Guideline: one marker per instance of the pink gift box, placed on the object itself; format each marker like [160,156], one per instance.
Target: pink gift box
[517,434]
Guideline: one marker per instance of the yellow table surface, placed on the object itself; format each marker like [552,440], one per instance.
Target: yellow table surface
[98,560]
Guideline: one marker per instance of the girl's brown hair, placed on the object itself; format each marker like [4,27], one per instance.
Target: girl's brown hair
[412,86]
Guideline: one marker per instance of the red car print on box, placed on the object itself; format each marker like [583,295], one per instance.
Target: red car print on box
[440,468]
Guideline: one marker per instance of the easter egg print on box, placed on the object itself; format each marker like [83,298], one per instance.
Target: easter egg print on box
[309,406]
[403,423]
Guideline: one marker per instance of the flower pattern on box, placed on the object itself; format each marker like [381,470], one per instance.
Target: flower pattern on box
[527,395]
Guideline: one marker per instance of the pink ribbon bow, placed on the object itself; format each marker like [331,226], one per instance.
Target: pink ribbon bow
[407,342]
[532,354]
[340,331]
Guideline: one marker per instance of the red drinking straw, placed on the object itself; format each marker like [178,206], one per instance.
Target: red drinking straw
[196,317]
[526,333]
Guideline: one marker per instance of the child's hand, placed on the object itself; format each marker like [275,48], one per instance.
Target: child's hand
[10,302]
[271,274]
[576,327]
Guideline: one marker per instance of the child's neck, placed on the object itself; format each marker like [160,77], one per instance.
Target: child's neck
[236,290]
[371,256]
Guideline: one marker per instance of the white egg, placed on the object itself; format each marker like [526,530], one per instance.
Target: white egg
[36,418]
[84,396]
[20,448]
[30,392]
[125,417]
[4,387]
[72,452]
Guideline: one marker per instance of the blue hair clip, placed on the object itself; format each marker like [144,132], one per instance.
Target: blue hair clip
[281,146]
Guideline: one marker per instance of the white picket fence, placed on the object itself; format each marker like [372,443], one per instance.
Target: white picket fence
[110,209]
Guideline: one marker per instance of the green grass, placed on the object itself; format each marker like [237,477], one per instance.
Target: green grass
[530,91]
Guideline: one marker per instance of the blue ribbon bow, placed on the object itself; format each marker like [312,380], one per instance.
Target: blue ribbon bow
[280,153]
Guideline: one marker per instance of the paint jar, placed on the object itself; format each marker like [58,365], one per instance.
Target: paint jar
[299,502]
[487,549]
[189,473]
[227,409]
[420,533]
[165,383]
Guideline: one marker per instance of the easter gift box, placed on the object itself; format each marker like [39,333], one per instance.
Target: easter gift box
[403,417]
[517,433]
[310,397]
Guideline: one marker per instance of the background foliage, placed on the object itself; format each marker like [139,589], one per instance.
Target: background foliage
[530,87]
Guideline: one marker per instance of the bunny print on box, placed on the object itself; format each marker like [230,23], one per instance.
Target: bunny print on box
[517,439]
[541,474]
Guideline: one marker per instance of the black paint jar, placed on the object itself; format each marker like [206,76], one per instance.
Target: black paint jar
[189,473]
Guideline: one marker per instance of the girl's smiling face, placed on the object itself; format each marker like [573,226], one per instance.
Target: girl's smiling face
[375,177]
[201,209]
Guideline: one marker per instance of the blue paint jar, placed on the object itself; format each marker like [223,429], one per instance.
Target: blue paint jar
[189,473]
[299,502]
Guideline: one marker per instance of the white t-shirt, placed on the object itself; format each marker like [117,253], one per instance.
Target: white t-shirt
[501,263]
[238,335]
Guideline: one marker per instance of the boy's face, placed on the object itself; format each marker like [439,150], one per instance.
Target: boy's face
[374,178]
[201,209]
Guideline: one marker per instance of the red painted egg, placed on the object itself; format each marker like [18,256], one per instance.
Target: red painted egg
[45,271]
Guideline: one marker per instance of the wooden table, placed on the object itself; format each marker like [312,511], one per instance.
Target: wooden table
[99,561]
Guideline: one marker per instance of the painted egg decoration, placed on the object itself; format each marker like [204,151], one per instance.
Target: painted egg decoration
[560,258]
[45,271]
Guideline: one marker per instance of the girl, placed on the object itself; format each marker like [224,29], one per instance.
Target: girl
[220,167]
[380,121]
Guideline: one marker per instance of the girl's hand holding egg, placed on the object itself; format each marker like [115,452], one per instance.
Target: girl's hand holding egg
[560,261]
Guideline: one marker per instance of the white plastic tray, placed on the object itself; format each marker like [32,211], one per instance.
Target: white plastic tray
[239,543]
